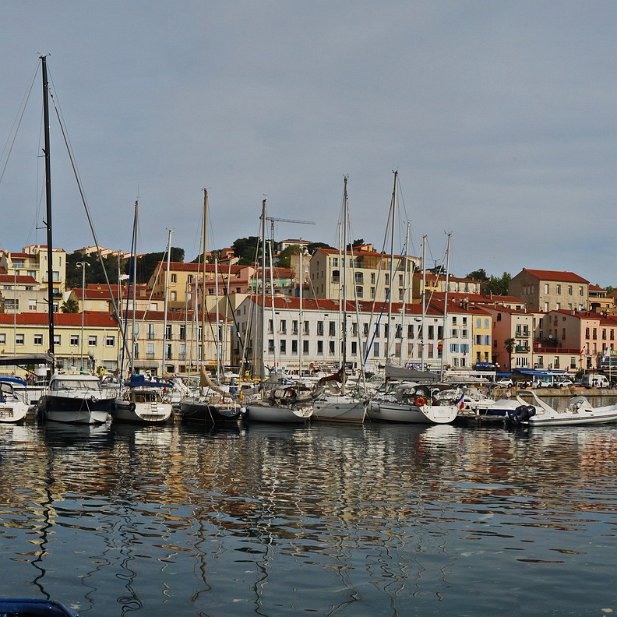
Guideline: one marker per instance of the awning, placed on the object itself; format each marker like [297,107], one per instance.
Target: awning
[35,358]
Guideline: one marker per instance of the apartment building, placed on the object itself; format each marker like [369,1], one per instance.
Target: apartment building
[32,262]
[365,275]
[548,290]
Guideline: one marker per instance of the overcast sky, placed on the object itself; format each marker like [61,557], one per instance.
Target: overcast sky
[499,117]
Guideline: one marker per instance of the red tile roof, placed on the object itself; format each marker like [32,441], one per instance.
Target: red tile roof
[555,275]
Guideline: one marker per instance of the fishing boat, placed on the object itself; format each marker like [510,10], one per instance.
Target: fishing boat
[12,408]
[75,398]
[579,411]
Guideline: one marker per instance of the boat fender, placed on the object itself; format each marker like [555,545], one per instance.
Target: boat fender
[420,401]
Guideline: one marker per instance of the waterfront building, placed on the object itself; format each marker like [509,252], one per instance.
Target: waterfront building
[21,294]
[300,336]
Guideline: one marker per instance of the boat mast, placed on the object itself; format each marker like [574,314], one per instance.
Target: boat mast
[166,301]
[50,269]
[445,334]
[262,367]
[391,271]
[423,322]
[344,299]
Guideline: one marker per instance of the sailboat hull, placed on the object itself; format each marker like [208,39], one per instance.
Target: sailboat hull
[202,412]
[342,409]
[263,412]
[411,414]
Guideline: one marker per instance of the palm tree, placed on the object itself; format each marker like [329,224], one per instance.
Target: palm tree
[70,306]
[509,345]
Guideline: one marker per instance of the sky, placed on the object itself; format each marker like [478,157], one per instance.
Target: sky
[498,116]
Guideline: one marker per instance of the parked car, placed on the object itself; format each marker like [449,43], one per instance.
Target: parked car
[564,383]
[504,382]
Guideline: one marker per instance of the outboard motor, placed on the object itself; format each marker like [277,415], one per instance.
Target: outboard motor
[521,414]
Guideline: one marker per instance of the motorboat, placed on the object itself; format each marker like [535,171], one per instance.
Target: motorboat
[76,398]
[143,402]
[12,408]
[579,411]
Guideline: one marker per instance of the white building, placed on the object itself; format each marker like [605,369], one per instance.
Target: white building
[302,336]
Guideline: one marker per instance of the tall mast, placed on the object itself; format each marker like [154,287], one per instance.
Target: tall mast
[262,368]
[166,301]
[445,334]
[50,269]
[344,299]
[423,322]
[391,271]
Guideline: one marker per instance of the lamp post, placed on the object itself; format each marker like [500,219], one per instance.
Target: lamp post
[83,265]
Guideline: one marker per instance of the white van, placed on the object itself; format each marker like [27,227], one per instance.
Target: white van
[595,380]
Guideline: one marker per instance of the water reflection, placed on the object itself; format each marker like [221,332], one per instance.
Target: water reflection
[272,520]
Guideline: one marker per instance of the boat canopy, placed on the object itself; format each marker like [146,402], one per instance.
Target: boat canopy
[34,358]
[400,372]
[139,381]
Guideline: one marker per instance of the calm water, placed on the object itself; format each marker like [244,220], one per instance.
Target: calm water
[374,520]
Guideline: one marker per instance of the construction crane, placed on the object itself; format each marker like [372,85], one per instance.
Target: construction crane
[273,220]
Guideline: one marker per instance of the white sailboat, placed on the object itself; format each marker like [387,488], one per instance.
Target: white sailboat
[72,398]
[12,409]
[141,401]
[209,403]
[340,406]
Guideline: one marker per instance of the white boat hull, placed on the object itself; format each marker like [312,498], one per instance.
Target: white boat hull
[341,409]
[141,413]
[258,412]
[13,412]
[83,416]
[412,414]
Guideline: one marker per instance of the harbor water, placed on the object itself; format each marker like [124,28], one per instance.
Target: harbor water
[324,520]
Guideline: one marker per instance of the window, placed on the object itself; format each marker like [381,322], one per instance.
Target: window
[558,289]
[331,328]
[173,296]
[305,346]
[174,278]
[294,346]
[32,304]
[359,291]
[320,328]
[92,340]
[150,333]
[2,338]
[283,326]
[270,326]
[74,340]
[373,278]
[57,339]
[19,339]
[306,328]
[569,290]
[150,351]
[372,293]
[545,288]
[375,350]
[283,346]
[331,350]
[320,348]
[270,345]
[38,339]
[183,332]
[110,341]
[168,332]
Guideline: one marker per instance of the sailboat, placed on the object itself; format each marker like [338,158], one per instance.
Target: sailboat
[279,404]
[74,398]
[337,405]
[209,404]
[141,401]
[12,408]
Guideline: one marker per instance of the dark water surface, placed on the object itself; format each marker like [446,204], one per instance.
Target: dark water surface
[373,520]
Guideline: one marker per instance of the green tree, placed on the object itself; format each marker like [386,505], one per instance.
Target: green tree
[498,286]
[70,306]
[313,246]
[245,249]
[478,275]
